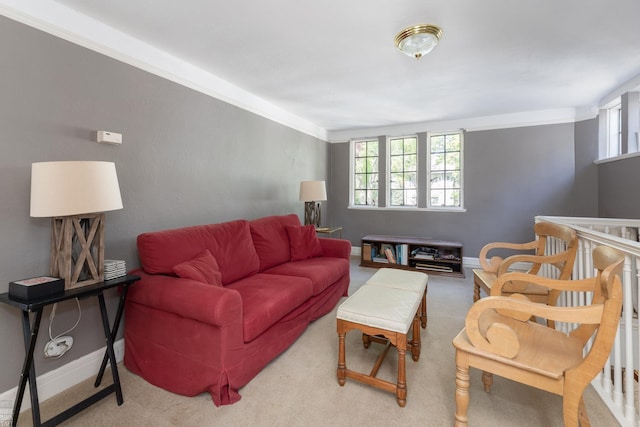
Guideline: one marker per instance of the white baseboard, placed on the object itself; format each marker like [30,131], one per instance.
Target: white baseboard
[470,262]
[62,378]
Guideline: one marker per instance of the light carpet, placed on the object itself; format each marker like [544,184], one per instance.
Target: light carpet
[299,388]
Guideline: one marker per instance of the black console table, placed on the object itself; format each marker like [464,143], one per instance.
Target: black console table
[30,332]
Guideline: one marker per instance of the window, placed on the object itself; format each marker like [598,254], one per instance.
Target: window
[619,121]
[445,170]
[403,171]
[411,172]
[614,138]
[365,167]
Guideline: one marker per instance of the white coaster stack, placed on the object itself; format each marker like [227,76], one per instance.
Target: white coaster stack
[114,268]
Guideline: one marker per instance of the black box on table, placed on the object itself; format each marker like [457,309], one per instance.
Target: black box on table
[36,287]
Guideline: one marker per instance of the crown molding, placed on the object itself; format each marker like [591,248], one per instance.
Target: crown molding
[631,85]
[67,24]
[503,121]
[92,34]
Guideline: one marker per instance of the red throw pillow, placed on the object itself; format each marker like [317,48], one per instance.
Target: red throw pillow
[203,268]
[304,242]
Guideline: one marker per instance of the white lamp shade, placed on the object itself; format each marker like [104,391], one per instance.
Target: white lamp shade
[73,188]
[313,191]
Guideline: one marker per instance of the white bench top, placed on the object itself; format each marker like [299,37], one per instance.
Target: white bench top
[400,279]
[381,307]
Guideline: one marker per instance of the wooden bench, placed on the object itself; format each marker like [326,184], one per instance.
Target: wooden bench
[384,310]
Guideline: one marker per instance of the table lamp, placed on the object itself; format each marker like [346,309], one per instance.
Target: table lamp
[312,192]
[75,194]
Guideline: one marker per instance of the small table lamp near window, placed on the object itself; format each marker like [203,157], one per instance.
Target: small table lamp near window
[75,194]
[312,192]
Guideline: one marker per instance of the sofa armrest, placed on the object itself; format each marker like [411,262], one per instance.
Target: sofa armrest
[338,248]
[188,298]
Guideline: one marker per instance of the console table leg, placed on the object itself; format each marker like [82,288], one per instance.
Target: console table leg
[28,369]
[110,352]
[114,332]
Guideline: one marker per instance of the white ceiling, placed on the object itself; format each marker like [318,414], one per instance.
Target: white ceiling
[333,64]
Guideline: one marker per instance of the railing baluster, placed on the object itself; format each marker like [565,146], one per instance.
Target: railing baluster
[627,313]
[616,384]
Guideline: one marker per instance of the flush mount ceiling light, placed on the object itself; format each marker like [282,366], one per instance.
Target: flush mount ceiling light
[418,40]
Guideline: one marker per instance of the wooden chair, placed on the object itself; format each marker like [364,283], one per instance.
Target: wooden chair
[494,267]
[500,338]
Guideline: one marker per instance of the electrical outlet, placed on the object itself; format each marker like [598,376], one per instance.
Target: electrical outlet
[58,346]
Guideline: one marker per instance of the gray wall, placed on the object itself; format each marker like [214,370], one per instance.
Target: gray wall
[586,151]
[511,175]
[186,159]
[618,184]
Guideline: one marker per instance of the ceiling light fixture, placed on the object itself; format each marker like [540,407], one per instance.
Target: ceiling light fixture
[418,40]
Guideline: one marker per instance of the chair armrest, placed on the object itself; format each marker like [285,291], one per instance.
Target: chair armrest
[188,298]
[337,248]
[536,261]
[583,285]
[497,337]
[492,264]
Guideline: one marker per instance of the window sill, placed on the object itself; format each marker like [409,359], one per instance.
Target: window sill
[618,157]
[404,209]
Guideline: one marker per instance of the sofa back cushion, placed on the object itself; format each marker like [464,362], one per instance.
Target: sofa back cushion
[229,243]
[271,240]
[304,242]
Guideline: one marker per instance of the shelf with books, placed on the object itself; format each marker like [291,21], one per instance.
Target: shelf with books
[412,253]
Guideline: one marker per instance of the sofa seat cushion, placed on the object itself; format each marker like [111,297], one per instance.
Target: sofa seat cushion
[267,298]
[270,238]
[322,271]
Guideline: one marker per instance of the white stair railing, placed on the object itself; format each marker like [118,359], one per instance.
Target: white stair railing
[617,386]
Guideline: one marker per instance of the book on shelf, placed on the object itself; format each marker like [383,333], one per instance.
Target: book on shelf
[380,259]
[433,267]
[366,251]
[424,252]
[384,247]
[402,253]
[388,252]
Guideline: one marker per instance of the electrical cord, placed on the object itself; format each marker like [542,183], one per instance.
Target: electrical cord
[52,315]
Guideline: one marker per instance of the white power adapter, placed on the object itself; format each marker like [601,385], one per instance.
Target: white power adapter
[58,346]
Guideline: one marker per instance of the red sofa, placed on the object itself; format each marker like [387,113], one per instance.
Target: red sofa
[217,302]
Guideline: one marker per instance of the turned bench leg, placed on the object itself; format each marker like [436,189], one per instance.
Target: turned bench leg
[342,364]
[401,387]
[423,310]
[416,343]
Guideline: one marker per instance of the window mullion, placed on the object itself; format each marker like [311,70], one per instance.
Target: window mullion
[422,169]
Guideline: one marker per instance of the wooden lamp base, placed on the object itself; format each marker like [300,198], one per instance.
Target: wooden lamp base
[77,249]
[312,213]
